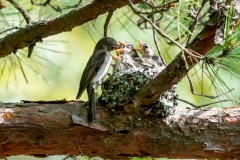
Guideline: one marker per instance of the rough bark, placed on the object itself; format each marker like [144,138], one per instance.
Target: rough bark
[47,129]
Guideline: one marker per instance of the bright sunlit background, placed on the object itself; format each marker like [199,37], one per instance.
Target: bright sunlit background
[55,68]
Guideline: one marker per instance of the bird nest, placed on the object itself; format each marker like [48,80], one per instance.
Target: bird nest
[119,88]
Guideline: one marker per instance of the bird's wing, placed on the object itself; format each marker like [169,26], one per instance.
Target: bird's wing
[92,67]
[158,60]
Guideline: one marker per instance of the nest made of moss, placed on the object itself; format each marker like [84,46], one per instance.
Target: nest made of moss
[121,86]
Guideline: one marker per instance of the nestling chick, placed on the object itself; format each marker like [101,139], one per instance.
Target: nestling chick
[124,59]
[147,52]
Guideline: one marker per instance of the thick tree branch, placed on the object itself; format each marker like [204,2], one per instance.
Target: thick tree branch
[36,31]
[170,76]
[46,129]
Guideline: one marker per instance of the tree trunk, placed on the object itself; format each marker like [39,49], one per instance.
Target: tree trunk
[49,129]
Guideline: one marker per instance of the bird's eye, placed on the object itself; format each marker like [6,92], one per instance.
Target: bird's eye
[145,46]
[112,48]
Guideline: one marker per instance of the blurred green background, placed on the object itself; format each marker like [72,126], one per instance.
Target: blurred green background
[56,66]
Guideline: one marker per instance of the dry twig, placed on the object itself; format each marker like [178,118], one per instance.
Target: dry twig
[21,10]
[160,32]
[106,24]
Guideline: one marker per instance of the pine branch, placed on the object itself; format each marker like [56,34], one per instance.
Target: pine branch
[36,31]
[47,129]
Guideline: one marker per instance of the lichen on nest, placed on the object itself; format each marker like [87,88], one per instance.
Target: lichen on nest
[121,86]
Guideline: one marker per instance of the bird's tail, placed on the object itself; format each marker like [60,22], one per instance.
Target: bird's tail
[92,103]
[80,92]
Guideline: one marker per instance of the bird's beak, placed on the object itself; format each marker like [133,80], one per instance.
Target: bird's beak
[140,46]
[120,50]
[122,43]
[115,58]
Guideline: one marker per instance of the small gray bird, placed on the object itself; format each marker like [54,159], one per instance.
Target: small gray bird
[129,49]
[119,65]
[147,52]
[124,59]
[96,70]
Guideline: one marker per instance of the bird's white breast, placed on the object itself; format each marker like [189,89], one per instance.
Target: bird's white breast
[102,72]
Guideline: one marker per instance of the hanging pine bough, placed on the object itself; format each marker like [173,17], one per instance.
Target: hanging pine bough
[218,32]
[223,55]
